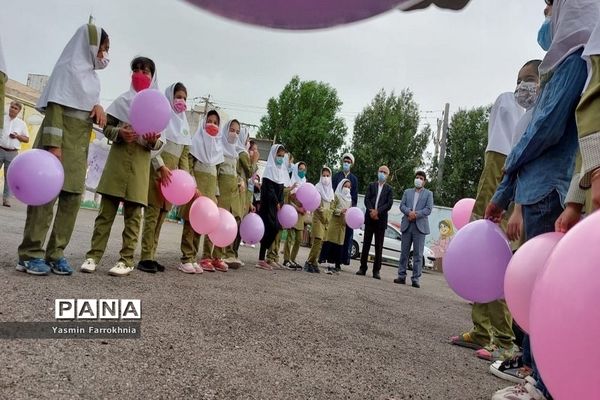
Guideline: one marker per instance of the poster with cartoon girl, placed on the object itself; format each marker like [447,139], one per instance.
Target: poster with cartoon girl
[446,234]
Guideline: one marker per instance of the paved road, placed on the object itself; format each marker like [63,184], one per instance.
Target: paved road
[247,334]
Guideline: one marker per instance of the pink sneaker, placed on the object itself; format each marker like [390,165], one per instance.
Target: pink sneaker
[188,268]
[263,265]
[206,265]
[198,269]
[220,265]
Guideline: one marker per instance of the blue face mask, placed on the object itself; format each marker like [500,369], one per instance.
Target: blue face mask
[279,161]
[301,174]
[545,35]
[381,176]
[346,167]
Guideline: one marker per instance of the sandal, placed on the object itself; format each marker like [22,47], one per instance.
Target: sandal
[465,340]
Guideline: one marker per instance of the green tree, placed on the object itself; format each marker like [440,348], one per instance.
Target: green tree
[304,119]
[387,132]
[467,140]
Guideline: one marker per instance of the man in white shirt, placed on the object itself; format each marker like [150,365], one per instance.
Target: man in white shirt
[13,134]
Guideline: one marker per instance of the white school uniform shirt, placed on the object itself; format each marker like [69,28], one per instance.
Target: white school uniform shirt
[379,189]
[13,125]
[503,118]
[416,199]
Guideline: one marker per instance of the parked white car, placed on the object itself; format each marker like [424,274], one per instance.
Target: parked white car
[392,247]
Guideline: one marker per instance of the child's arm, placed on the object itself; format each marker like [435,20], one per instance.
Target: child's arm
[184,159]
[112,130]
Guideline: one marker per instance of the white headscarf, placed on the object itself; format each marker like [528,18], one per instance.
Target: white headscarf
[274,172]
[503,119]
[326,191]
[206,148]
[240,145]
[572,24]
[120,107]
[229,150]
[2,61]
[178,130]
[74,82]
[295,179]
[345,200]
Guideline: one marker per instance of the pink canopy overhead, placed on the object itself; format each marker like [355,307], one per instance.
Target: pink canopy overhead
[312,14]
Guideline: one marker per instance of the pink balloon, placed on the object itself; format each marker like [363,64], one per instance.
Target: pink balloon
[565,314]
[287,216]
[297,14]
[204,215]
[150,112]
[227,230]
[306,193]
[313,202]
[252,229]
[475,262]
[181,189]
[522,272]
[355,218]
[35,177]
[461,212]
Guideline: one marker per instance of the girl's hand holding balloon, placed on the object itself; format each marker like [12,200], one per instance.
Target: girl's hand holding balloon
[165,175]
[151,138]
[127,133]
[569,217]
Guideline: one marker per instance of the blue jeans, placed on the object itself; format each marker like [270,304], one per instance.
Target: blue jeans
[539,218]
[412,237]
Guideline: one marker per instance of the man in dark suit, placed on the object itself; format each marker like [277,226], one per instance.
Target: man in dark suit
[378,201]
[416,206]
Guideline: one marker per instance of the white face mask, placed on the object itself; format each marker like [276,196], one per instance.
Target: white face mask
[346,191]
[101,63]
[325,181]
[418,183]
[526,94]
[232,137]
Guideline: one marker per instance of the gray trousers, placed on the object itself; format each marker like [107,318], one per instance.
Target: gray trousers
[412,236]
[6,158]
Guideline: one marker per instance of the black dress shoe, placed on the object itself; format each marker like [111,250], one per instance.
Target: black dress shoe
[376,276]
[147,266]
[400,281]
[361,272]
[416,285]
[159,267]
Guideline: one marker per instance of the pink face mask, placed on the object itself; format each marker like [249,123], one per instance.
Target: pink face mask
[179,105]
[211,129]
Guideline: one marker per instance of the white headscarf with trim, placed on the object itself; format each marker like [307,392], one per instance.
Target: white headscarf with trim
[206,148]
[240,145]
[326,191]
[229,149]
[74,82]
[345,201]
[295,179]
[274,172]
[178,130]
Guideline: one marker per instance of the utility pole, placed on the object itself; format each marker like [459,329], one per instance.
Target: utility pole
[436,141]
[440,174]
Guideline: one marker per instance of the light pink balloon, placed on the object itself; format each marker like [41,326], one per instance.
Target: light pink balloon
[181,189]
[522,271]
[287,216]
[355,217]
[313,202]
[227,230]
[461,212]
[204,215]
[252,229]
[565,315]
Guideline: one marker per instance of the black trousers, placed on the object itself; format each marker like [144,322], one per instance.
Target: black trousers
[377,229]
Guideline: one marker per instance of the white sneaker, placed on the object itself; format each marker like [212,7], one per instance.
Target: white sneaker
[242,264]
[527,391]
[120,269]
[188,268]
[197,269]
[232,263]
[89,265]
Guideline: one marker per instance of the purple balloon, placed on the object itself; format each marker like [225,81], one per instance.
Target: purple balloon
[297,14]
[313,203]
[287,216]
[252,229]
[35,177]
[306,192]
[355,218]
[150,112]
[476,260]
